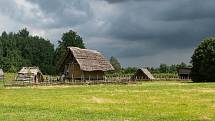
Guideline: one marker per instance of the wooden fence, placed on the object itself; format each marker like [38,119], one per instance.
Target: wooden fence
[108,79]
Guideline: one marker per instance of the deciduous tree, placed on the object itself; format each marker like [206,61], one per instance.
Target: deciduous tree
[68,39]
[203,61]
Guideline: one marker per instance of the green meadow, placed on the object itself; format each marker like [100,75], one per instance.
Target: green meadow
[148,101]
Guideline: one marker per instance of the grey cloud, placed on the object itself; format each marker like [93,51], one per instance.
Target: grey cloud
[49,14]
[188,10]
[17,13]
[165,25]
[120,1]
[65,12]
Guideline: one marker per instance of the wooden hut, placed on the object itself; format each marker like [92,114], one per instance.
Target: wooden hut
[184,73]
[83,64]
[1,74]
[142,74]
[30,74]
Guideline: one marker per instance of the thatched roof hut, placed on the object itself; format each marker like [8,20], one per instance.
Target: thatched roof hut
[184,73]
[84,64]
[142,74]
[31,74]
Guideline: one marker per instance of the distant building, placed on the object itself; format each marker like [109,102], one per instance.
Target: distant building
[184,73]
[83,64]
[142,74]
[1,74]
[30,74]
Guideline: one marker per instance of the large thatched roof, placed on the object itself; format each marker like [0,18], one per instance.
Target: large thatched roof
[90,60]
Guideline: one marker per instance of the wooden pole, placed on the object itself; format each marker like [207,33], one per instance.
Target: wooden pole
[73,79]
[82,76]
[3,82]
[97,77]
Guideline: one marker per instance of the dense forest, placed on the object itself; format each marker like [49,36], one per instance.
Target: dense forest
[21,49]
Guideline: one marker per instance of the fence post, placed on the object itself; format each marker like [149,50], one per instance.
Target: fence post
[97,77]
[89,78]
[3,82]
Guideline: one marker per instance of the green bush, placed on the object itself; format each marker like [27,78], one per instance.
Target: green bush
[203,61]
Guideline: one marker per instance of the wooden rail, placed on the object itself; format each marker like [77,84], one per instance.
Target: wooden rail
[119,79]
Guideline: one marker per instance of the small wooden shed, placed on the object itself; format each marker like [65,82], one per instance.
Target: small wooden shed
[30,74]
[142,74]
[184,73]
[83,64]
[1,74]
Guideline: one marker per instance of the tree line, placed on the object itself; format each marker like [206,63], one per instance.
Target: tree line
[163,68]
[22,49]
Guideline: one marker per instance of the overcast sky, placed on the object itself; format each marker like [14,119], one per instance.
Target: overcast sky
[137,32]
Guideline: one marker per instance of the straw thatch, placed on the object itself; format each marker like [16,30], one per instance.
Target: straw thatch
[186,70]
[89,60]
[30,74]
[184,73]
[30,70]
[142,73]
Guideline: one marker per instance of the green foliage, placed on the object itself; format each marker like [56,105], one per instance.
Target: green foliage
[166,75]
[129,70]
[164,68]
[123,72]
[115,63]
[203,61]
[21,49]
[69,39]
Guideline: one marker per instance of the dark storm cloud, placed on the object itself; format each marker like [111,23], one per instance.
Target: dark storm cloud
[165,25]
[119,1]
[188,10]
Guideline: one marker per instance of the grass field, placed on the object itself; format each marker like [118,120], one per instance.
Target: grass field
[171,101]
